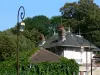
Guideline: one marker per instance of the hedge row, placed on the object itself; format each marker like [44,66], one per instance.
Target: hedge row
[64,67]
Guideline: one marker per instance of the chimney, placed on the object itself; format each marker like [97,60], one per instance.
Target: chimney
[42,40]
[62,33]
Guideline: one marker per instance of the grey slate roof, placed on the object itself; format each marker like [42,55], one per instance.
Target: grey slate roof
[96,49]
[84,42]
[72,40]
[54,41]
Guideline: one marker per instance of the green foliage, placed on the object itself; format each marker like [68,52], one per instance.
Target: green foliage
[7,47]
[8,67]
[33,35]
[56,20]
[64,67]
[84,16]
[40,23]
[86,1]
[25,44]
[8,43]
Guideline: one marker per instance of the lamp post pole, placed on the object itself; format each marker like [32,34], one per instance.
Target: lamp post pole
[20,15]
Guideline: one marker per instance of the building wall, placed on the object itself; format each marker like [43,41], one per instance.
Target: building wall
[80,57]
[86,55]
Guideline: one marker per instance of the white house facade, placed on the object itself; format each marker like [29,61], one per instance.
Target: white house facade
[80,57]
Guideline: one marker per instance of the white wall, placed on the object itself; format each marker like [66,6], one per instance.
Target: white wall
[78,56]
[88,60]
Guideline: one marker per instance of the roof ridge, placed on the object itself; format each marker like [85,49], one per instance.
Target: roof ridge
[34,54]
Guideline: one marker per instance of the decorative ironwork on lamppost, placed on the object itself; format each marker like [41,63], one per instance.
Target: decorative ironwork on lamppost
[20,28]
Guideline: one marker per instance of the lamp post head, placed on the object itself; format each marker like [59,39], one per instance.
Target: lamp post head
[22,26]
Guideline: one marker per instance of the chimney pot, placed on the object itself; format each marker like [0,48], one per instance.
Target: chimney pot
[62,33]
[42,40]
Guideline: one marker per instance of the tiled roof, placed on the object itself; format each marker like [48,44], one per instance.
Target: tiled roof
[43,56]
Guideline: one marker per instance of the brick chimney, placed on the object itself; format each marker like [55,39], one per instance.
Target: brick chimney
[42,40]
[62,33]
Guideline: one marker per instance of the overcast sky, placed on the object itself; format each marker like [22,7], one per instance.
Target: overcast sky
[49,8]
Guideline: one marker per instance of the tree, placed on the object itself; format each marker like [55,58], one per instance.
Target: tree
[7,47]
[40,23]
[56,20]
[32,35]
[25,44]
[85,17]
[86,1]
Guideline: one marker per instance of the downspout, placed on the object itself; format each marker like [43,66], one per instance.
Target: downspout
[86,63]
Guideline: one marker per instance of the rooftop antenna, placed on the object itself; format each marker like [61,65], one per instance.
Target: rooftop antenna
[69,28]
[53,28]
[79,31]
[54,31]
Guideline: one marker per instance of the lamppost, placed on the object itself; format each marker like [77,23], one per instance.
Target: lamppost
[20,28]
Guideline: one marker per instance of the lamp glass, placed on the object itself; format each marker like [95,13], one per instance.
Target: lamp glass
[22,26]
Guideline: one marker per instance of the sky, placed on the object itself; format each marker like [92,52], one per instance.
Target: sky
[49,8]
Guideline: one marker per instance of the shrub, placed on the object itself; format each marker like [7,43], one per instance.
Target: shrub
[64,67]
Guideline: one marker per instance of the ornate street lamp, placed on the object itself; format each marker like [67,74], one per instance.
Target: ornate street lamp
[20,28]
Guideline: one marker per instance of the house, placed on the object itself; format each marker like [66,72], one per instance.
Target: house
[71,46]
